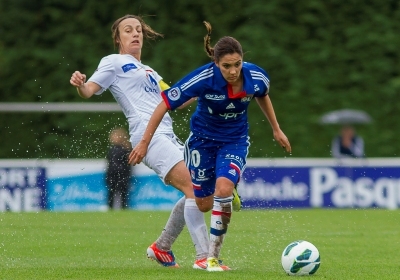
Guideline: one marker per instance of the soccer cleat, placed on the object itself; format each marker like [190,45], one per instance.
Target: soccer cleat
[165,258]
[214,264]
[202,264]
[236,201]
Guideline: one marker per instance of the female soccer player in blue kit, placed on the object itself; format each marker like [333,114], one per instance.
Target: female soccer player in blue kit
[218,144]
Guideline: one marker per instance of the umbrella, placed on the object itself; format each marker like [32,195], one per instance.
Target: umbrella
[346,116]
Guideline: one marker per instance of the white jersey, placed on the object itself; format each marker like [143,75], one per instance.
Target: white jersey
[136,88]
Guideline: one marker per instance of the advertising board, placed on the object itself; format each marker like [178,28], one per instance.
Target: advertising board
[79,185]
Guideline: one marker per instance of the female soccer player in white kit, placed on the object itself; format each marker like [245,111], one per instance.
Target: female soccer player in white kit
[137,87]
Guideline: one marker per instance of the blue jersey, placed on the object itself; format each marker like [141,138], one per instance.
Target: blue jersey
[219,115]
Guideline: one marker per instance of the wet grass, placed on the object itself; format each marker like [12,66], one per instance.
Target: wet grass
[354,244]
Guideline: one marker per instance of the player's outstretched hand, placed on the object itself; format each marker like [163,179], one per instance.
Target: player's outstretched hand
[138,153]
[283,140]
[77,79]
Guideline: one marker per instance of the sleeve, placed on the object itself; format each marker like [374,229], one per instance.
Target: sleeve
[161,84]
[104,75]
[262,79]
[155,74]
[189,87]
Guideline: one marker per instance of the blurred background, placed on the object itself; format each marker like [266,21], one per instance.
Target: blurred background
[321,56]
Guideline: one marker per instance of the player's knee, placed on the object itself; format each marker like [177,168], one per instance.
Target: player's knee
[224,187]
[224,191]
[204,208]
[204,204]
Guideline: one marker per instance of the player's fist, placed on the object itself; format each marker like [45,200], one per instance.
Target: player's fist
[77,79]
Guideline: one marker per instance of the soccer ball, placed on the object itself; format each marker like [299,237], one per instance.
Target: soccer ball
[300,258]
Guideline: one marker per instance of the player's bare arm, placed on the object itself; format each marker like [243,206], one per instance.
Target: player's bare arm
[268,110]
[139,151]
[187,103]
[85,90]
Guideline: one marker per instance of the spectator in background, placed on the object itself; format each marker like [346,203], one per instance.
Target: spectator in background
[118,173]
[348,144]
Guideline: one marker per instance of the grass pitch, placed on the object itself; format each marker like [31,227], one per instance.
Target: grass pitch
[354,244]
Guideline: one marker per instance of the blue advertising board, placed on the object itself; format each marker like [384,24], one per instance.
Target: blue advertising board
[89,193]
[22,189]
[150,193]
[77,193]
[329,186]
[79,185]
[76,185]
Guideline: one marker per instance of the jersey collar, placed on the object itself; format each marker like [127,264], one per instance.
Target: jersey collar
[131,56]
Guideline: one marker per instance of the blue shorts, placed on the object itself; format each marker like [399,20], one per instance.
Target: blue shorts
[208,160]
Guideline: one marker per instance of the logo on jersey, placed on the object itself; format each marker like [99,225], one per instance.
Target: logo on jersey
[230,106]
[128,67]
[231,115]
[236,158]
[150,89]
[215,97]
[201,175]
[152,80]
[256,88]
[246,99]
[174,94]
[210,110]
[232,172]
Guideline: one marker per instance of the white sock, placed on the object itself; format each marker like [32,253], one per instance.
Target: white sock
[220,219]
[197,228]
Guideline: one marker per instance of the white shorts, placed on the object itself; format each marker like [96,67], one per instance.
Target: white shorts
[163,153]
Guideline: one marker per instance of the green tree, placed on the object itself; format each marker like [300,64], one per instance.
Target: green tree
[320,55]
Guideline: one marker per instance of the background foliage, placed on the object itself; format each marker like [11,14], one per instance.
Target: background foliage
[321,56]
